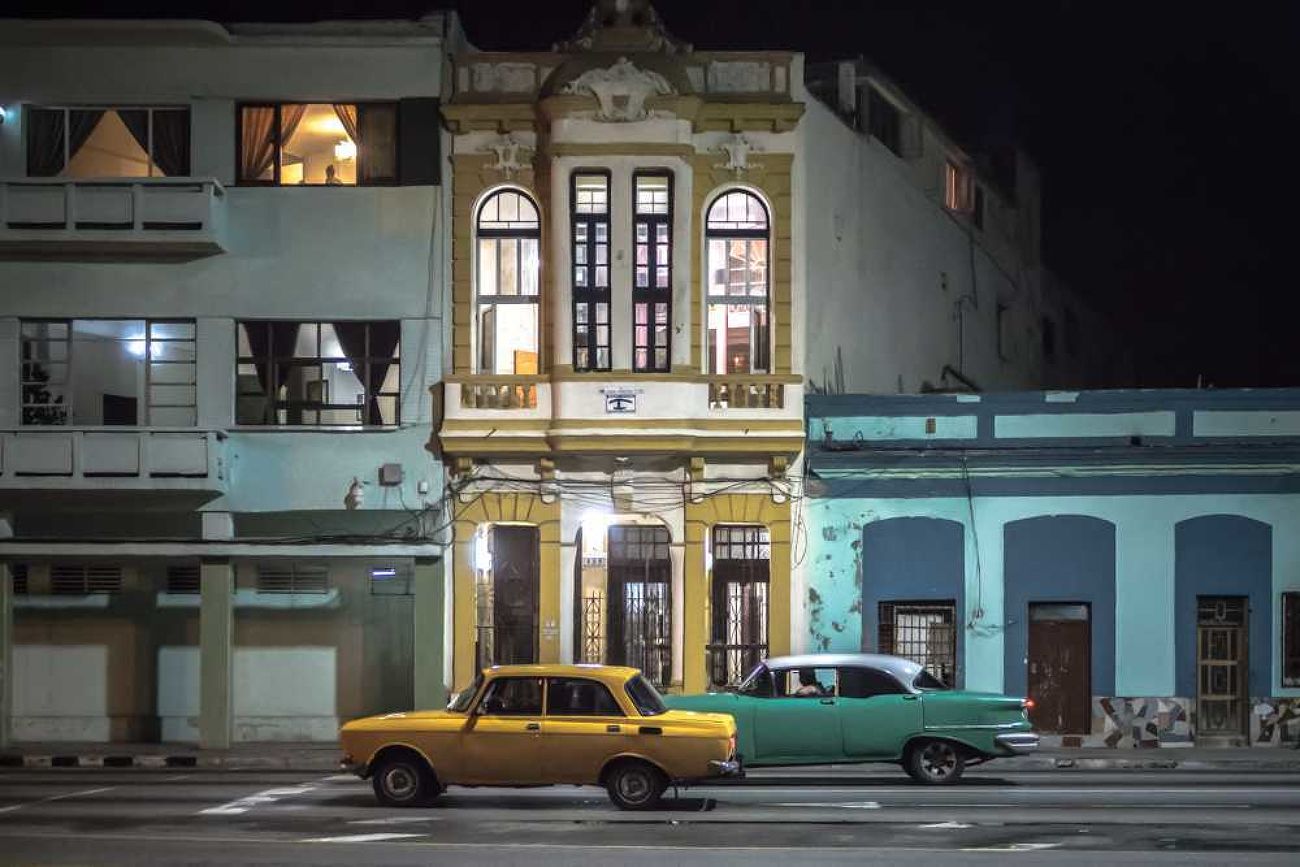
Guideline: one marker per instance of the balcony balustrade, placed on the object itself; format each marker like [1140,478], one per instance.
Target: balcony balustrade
[163,218]
[748,392]
[59,458]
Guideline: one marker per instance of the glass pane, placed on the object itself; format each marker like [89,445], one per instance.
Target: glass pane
[171,330]
[592,192]
[530,263]
[487,266]
[171,374]
[307,341]
[241,337]
[183,416]
[508,338]
[509,265]
[174,395]
[114,147]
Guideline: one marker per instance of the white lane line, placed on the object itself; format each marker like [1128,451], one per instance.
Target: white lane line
[862,805]
[340,778]
[62,797]
[248,802]
[393,820]
[1013,847]
[946,825]
[362,838]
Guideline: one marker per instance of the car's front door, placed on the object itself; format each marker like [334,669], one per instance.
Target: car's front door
[583,727]
[800,722]
[501,741]
[877,713]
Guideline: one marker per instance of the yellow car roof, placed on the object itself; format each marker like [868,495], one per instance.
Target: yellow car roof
[604,672]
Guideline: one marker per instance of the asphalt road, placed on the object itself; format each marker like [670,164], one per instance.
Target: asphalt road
[226,818]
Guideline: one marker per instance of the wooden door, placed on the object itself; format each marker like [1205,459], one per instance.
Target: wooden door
[1060,649]
[514,594]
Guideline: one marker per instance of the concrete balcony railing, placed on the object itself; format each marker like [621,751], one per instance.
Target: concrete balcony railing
[131,218]
[165,459]
[755,391]
[487,391]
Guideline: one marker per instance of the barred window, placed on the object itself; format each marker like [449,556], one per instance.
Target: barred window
[591,285]
[292,578]
[652,272]
[924,632]
[183,578]
[82,579]
[1291,639]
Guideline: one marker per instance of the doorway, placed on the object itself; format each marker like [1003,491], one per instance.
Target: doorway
[742,560]
[1060,676]
[640,615]
[1221,666]
[506,598]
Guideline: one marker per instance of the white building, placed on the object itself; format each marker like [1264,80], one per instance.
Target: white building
[221,272]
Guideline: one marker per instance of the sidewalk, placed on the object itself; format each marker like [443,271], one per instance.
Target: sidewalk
[317,757]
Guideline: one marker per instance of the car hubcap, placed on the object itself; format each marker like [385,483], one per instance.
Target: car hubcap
[634,786]
[938,760]
[400,783]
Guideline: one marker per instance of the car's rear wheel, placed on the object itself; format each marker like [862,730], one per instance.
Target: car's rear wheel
[635,785]
[404,780]
[935,763]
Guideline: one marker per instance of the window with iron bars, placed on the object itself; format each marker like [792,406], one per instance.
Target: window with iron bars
[82,579]
[742,559]
[640,593]
[652,272]
[924,632]
[591,286]
[292,578]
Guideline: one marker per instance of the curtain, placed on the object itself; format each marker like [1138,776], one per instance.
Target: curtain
[377,157]
[81,123]
[269,341]
[44,142]
[171,142]
[290,117]
[256,141]
[347,114]
[136,121]
[373,368]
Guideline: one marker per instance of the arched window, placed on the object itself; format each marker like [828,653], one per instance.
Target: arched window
[737,232]
[507,269]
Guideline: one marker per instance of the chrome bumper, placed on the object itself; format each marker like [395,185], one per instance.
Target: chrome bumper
[1017,743]
[729,768]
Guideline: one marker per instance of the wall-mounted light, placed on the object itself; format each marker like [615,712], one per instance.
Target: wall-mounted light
[3,115]
[345,150]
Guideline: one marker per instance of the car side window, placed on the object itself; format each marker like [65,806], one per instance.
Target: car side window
[577,696]
[758,684]
[806,682]
[513,696]
[867,682]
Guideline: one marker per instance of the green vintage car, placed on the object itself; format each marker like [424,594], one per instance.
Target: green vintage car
[862,707]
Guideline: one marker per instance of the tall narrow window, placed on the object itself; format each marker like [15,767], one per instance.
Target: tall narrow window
[652,272]
[590,210]
[506,274]
[742,561]
[739,328]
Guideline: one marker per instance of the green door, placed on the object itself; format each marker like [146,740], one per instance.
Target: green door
[877,714]
[798,723]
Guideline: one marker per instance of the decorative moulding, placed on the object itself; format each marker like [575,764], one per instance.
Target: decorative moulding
[512,156]
[621,91]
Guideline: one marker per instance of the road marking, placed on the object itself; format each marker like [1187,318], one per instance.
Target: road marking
[340,778]
[863,805]
[392,820]
[1012,847]
[362,838]
[62,797]
[248,802]
[946,825]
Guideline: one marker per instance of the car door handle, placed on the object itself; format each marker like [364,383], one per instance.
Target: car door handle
[828,701]
[533,727]
[613,729]
[908,697]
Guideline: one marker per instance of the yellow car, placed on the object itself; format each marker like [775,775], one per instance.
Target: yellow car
[531,725]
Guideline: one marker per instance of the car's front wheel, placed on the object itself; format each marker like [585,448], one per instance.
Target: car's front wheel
[635,785]
[404,780]
[935,763]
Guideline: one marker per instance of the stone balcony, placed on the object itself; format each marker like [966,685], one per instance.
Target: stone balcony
[109,459]
[607,413]
[172,219]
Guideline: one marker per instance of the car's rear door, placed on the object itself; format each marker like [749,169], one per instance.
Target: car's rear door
[798,728]
[877,713]
[582,728]
[501,741]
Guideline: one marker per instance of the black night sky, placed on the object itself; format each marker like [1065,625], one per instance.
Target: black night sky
[1164,131]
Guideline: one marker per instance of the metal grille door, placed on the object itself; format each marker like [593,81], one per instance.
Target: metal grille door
[1221,665]
[506,604]
[640,592]
[742,558]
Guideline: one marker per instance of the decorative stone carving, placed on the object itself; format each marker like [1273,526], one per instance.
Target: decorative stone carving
[614,25]
[621,90]
[737,149]
[512,156]
[505,77]
[740,76]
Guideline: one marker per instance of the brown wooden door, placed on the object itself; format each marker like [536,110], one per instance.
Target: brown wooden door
[1060,647]
[514,594]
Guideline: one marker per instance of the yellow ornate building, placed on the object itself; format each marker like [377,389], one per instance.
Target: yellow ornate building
[624,408]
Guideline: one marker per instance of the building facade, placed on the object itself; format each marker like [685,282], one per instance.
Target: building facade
[656,252]
[221,301]
[1128,559]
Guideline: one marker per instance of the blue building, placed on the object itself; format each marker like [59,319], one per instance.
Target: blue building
[1128,559]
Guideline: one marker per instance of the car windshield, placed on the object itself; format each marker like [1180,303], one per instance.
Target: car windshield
[460,701]
[758,682]
[926,680]
[646,698]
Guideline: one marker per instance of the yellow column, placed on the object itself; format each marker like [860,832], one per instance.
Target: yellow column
[695,605]
[778,591]
[462,605]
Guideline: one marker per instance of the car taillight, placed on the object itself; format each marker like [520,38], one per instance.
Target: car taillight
[1027,703]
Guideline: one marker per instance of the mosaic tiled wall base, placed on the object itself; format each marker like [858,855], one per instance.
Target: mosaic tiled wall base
[1275,722]
[1141,722]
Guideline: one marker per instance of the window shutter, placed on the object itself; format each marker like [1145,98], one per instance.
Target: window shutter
[419,148]
[81,579]
[183,578]
[292,578]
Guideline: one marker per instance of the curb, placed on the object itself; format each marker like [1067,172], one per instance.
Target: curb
[153,761]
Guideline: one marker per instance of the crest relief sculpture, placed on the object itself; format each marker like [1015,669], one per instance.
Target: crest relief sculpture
[621,91]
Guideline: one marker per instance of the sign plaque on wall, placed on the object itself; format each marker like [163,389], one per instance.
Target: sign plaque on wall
[620,401]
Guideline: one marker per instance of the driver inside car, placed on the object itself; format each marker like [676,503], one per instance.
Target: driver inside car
[808,685]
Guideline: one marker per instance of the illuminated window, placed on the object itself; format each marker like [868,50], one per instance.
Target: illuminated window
[317,144]
[507,269]
[954,187]
[116,142]
[737,234]
[590,215]
[652,272]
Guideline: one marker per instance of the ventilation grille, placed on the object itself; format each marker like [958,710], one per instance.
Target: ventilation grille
[81,579]
[18,571]
[292,578]
[183,578]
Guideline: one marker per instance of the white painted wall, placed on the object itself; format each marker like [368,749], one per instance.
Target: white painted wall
[60,692]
